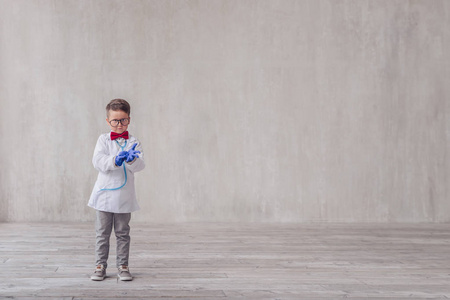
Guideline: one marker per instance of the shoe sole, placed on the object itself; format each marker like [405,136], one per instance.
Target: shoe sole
[125,278]
[97,278]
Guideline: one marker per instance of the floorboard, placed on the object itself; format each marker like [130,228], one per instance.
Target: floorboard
[231,261]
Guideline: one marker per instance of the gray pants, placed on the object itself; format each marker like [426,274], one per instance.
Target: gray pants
[103,226]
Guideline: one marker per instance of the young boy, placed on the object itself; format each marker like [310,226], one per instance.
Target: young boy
[117,156]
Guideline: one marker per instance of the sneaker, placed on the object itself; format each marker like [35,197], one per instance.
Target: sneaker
[124,273]
[99,273]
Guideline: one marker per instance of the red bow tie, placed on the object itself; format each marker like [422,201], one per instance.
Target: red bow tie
[115,135]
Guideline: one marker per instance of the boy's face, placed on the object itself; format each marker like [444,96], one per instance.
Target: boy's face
[115,115]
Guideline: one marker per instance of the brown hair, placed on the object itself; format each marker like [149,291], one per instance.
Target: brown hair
[118,104]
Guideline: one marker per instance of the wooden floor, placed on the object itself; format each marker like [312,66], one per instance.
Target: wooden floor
[231,261]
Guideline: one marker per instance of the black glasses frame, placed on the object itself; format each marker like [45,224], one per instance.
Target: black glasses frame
[121,121]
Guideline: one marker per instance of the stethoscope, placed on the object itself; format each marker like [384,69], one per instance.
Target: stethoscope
[124,170]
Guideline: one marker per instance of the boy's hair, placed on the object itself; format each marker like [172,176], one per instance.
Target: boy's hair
[118,104]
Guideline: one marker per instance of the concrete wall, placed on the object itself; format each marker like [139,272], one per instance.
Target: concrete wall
[262,111]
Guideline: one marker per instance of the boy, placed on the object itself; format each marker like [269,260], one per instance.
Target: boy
[117,156]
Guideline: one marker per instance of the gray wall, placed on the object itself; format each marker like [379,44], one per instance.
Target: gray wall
[262,111]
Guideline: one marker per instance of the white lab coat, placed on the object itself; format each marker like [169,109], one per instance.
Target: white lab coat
[110,176]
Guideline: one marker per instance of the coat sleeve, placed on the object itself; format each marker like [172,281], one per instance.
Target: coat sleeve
[102,160]
[138,164]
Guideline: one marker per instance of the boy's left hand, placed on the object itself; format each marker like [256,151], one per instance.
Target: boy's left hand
[132,154]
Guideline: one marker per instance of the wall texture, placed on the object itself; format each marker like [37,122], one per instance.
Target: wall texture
[260,111]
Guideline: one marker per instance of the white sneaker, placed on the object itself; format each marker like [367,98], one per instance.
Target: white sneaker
[124,273]
[99,273]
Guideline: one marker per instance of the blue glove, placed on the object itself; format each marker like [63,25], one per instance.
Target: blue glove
[120,158]
[132,154]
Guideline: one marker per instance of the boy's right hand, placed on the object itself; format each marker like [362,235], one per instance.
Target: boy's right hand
[120,158]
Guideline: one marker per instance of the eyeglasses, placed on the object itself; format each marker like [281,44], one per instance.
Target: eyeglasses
[124,122]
